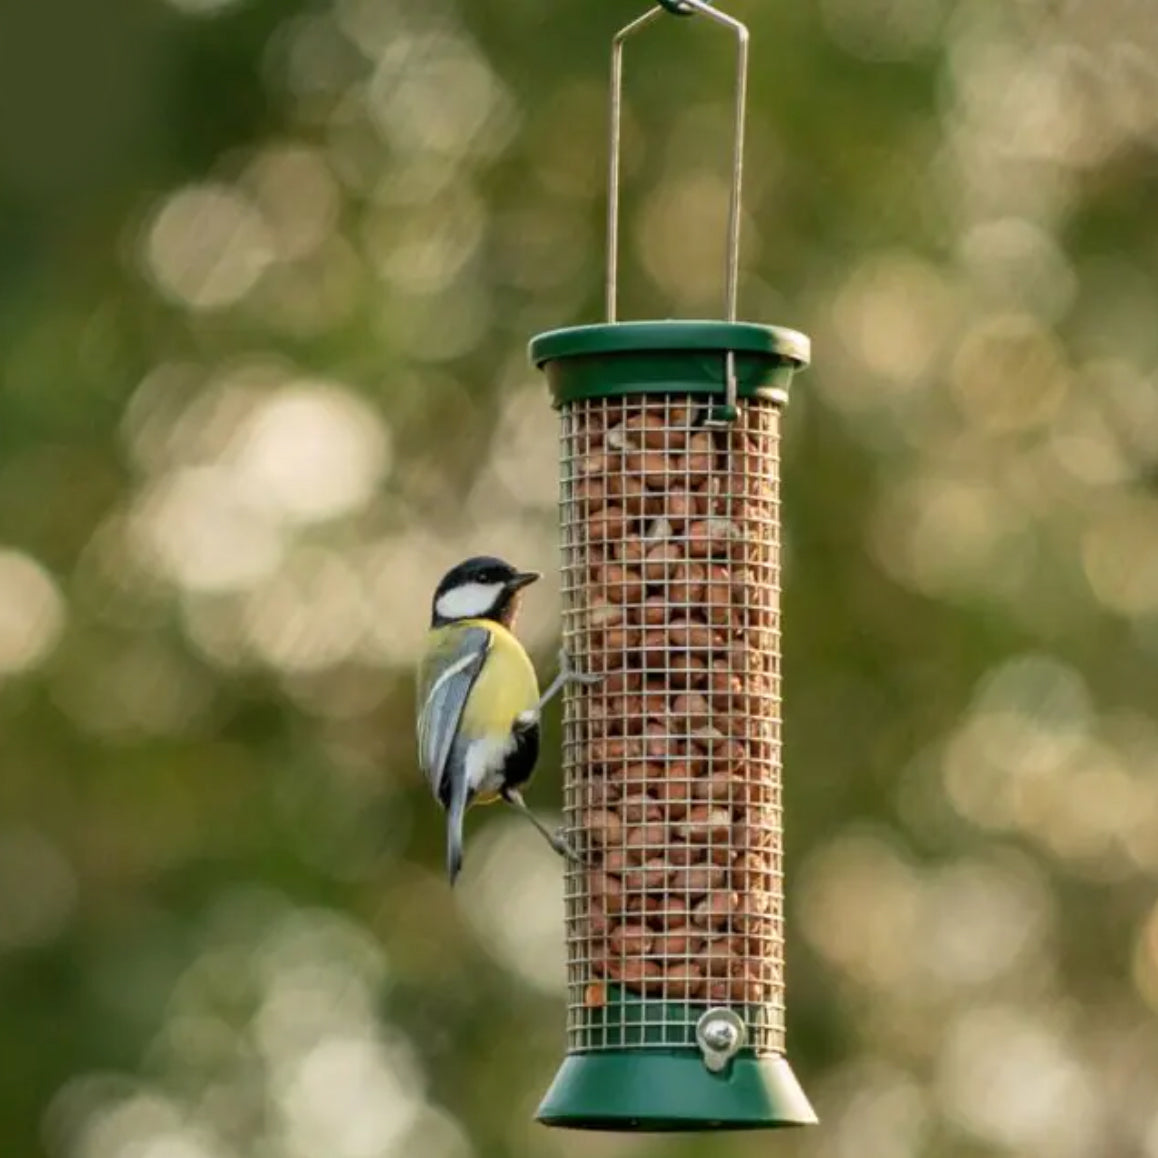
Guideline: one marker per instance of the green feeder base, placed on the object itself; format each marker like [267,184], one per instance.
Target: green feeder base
[673,1091]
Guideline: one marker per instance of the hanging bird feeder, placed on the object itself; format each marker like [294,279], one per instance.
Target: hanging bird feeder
[671,764]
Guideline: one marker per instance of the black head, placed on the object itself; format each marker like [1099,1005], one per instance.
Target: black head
[480,588]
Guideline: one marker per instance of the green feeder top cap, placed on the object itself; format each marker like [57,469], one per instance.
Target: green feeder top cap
[725,361]
[670,337]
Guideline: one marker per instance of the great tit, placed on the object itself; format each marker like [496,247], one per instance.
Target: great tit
[478,697]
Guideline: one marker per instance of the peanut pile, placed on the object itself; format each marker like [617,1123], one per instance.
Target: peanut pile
[671,587]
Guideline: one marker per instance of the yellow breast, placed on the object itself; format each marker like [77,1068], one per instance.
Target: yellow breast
[506,686]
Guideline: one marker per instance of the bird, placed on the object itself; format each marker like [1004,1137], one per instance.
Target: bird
[478,701]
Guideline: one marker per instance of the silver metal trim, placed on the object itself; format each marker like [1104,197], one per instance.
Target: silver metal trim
[732,258]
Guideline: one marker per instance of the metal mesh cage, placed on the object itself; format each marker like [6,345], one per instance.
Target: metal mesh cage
[671,580]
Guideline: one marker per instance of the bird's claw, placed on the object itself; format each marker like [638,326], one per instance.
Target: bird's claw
[571,674]
[563,848]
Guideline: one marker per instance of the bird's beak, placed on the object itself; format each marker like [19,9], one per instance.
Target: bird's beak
[523,579]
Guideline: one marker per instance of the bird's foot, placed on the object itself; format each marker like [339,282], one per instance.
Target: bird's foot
[563,848]
[569,673]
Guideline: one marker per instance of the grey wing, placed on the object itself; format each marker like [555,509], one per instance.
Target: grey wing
[446,679]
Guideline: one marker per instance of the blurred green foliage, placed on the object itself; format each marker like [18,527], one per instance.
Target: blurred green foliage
[267,273]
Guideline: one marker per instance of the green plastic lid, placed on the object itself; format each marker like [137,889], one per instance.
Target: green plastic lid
[670,335]
[617,359]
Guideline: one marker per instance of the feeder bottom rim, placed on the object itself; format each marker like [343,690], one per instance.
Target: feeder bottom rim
[672,1091]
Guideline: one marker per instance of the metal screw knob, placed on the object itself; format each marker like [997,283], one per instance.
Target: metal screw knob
[720,1034]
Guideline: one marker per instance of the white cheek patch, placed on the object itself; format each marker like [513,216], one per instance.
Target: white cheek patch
[468,601]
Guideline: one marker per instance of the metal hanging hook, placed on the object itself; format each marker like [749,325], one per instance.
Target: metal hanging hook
[732,259]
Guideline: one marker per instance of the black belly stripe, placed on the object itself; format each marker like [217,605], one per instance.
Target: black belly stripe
[521,762]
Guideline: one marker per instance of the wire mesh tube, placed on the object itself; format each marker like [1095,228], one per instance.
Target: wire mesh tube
[670,541]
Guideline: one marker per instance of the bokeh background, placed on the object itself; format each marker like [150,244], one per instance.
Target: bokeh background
[267,273]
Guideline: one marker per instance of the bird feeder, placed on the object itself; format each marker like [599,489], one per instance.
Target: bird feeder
[671,585]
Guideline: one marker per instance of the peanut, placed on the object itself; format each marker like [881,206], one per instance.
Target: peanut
[722,956]
[679,508]
[676,789]
[650,877]
[738,990]
[658,529]
[615,683]
[657,744]
[646,837]
[683,855]
[618,438]
[603,827]
[606,525]
[596,793]
[654,611]
[727,690]
[704,824]
[629,491]
[752,872]
[634,972]
[661,560]
[612,647]
[691,707]
[602,613]
[716,910]
[648,428]
[753,835]
[709,496]
[683,981]
[697,879]
[657,469]
[721,787]
[632,550]
[597,922]
[607,890]
[718,592]
[689,671]
[608,750]
[637,807]
[630,940]
[681,941]
[639,775]
[672,912]
[654,649]
[590,494]
[687,584]
[621,584]
[713,537]
[688,633]
[595,995]
[642,903]
[700,454]
[594,463]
